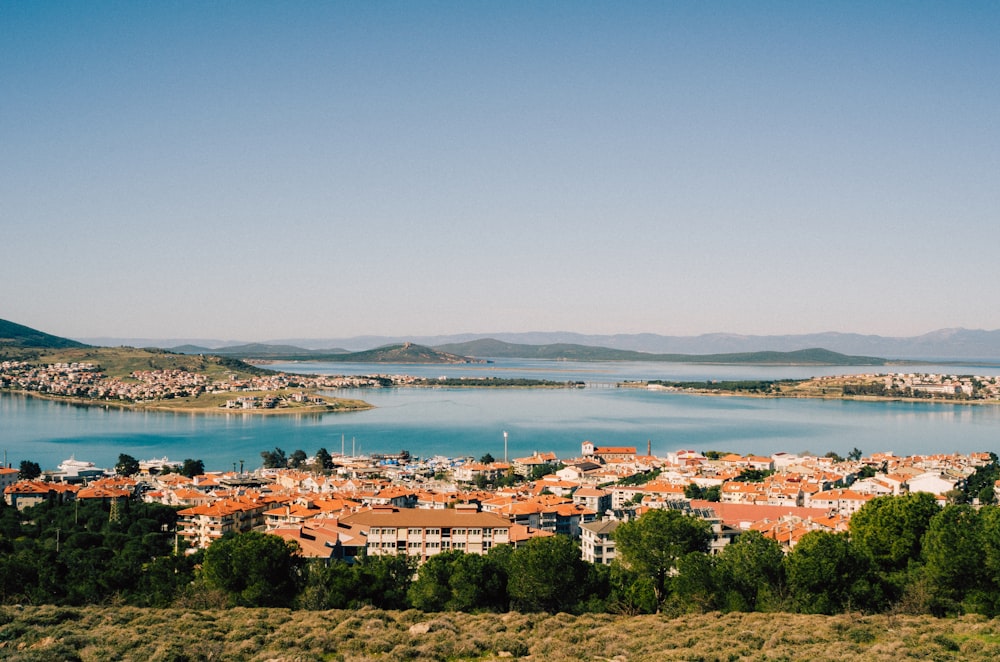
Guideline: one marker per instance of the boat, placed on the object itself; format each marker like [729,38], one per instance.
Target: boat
[73,470]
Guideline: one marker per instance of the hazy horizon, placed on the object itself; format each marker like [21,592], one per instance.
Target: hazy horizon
[264,171]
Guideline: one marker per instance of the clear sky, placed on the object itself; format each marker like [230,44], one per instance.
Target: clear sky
[255,170]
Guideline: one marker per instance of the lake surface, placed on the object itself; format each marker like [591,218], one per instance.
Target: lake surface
[470,422]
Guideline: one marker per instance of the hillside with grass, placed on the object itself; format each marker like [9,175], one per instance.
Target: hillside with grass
[402,353]
[96,634]
[17,341]
[120,362]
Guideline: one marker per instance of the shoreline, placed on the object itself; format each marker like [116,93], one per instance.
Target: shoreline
[789,396]
[326,408]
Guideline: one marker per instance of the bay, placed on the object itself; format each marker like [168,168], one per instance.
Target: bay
[458,422]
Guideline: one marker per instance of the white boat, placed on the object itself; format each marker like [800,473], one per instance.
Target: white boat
[74,468]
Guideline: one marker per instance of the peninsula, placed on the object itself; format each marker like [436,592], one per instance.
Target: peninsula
[909,387]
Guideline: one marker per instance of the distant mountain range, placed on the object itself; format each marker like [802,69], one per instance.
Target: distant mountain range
[489,348]
[941,345]
[944,344]
[492,348]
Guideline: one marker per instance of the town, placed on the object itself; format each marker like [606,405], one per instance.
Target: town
[85,381]
[339,507]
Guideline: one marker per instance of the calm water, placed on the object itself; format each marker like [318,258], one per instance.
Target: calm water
[456,422]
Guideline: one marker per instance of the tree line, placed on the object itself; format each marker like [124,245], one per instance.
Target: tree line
[902,554]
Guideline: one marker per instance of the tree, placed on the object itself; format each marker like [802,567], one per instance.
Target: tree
[652,544]
[826,575]
[990,523]
[477,582]
[297,459]
[955,558]
[546,574]
[694,587]
[274,459]
[192,468]
[751,574]
[631,593]
[487,459]
[127,465]
[889,532]
[383,580]
[693,491]
[539,471]
[254,569]
[431,590]
[29,470]
[323,460]
[855,454]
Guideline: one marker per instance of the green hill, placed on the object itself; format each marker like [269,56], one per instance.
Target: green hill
[402,353]
[22,343]
[23,337]
[491,348]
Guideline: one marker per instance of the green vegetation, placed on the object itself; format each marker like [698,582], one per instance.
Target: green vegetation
[23,343]
[81,553]
[980,484]
[29,470]
[904,555]
[127,465]
[639,478]
[399,353]
[254,570]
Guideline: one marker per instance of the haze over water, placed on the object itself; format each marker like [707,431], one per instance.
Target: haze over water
[470,422]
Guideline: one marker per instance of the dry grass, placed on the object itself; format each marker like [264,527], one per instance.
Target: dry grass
[92,634]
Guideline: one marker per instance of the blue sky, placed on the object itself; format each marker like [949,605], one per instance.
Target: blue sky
[277,170]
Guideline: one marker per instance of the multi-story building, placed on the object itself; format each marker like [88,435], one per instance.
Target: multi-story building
[597,543]
[422,533]
[200,526]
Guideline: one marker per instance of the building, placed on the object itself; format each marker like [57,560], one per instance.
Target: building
[8,476]
[597,544]
[593,498]
[605,453]
[324,540]
[200,526]
[28,493]
[422,533]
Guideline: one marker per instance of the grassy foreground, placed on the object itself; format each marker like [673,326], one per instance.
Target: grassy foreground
[110,633]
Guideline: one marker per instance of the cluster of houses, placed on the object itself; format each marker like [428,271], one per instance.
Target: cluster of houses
[392,509]
[930,385]
[85,380]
